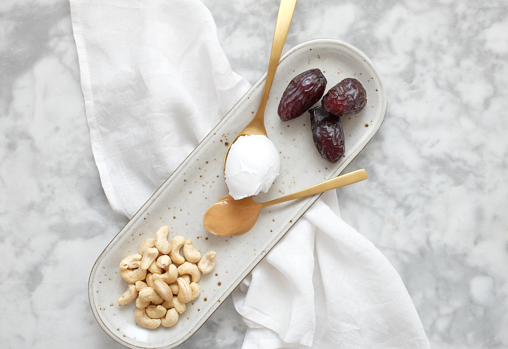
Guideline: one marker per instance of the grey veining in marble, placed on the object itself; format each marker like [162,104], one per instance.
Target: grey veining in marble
[435,203]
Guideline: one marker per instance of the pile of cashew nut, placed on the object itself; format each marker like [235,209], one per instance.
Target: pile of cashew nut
[160,288]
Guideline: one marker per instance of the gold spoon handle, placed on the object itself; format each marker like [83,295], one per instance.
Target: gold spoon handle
[286,9]
[335,183]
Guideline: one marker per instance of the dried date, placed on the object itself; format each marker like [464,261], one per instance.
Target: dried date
[346,98]
[302,92]
[327,133]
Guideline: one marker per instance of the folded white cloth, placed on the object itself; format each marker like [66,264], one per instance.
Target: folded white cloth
[345,295]
[155,81]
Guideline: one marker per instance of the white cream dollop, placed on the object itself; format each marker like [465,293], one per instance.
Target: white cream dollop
[252,165]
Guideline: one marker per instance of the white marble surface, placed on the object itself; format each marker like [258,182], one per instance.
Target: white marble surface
[434,204]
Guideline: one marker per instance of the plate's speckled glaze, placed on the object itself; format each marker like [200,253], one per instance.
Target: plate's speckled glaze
[182,200]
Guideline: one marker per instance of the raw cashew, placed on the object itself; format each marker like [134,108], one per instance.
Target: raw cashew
[207,263]
[179,306]
[161,240]
[171,318]
[153,268]
[168,277]
[129,295]
[184,291]
[176,245]
[155,311]
[190,269]
[163,262]
[174,288]
[149,279]
[140,285]
[195,290]
[130,262]
[186,278]
[168,305]
[144,321]
[163,290]
[133,275]
[190,253]
[149,256]
[142,304]
[149,294]
[148,243]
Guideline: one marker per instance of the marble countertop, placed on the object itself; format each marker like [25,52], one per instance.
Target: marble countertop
[435,203]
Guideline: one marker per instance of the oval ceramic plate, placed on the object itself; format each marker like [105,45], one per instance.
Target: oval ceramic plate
[182,200]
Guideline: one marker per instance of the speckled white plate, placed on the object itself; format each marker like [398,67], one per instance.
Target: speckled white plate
[182,200]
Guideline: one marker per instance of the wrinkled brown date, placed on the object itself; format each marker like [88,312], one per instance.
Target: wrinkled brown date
[327,133]
[346,98]
[302,92]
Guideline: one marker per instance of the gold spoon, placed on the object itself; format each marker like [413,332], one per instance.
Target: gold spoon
[257,125]
[236,217]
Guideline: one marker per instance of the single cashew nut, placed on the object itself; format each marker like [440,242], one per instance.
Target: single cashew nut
[163,290]
[149,279]
[133,275]
[184,291]
[161,240]
[168,305]
[129,295]
[190,269]
[195,290]
[155,311]
[171,318]
[144,321]
[130,262]
[142,304]
[190,253]
[163,262]
[179,306]
[174,288]
[149,294]
[148,243]
[207,263]
[153,268]
[140,285]
[149,256]
[168,277]
[176,245]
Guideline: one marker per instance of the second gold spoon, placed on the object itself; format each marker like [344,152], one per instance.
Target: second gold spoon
[236,217]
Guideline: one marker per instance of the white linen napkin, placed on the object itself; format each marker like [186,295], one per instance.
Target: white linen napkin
[155,81]
[326,286]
